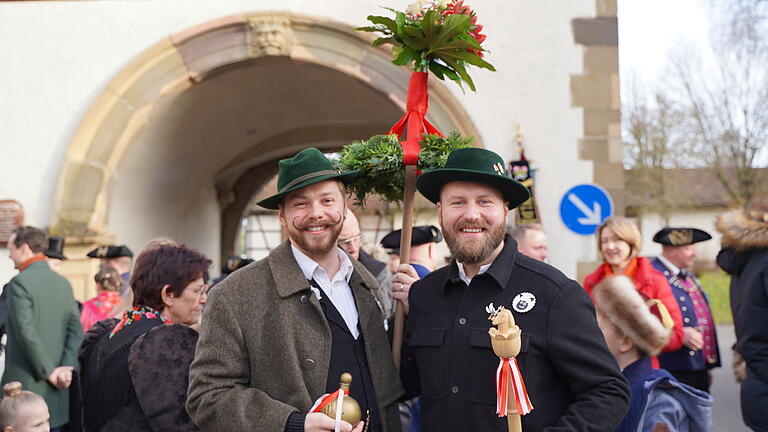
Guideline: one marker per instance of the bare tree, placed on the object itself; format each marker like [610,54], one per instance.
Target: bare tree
[724,92]
[652,147]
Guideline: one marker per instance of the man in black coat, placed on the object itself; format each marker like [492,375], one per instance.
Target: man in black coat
[572,380]
[745,257]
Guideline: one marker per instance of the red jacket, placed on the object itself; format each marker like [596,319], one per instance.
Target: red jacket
[651,285]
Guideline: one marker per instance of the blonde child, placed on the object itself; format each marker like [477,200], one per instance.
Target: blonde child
[23,411]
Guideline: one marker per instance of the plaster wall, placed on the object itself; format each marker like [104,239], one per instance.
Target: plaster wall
[58,56]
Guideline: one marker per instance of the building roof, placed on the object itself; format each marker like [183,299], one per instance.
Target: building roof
[688,188]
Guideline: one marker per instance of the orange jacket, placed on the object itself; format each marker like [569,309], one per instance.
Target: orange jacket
[651,285]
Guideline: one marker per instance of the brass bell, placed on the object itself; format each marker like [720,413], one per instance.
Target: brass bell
[350,409]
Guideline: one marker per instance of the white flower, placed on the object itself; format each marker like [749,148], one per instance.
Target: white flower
[416,7]
[443,4]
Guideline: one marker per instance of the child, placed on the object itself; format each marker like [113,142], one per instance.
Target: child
[633,334]
[22,411]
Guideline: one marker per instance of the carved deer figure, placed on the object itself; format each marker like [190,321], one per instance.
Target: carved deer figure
[505,339]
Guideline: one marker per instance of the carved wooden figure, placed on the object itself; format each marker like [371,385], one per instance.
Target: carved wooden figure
[506,342]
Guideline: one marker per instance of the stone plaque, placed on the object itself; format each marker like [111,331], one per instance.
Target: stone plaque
[11,216]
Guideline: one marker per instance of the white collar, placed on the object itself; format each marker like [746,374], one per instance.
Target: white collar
[309,266]
[673,269]
[463,275]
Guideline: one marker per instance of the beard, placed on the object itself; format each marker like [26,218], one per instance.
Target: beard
[311,244]
[473,251]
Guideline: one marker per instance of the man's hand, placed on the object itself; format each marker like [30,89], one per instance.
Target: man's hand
[401,283]
[692,338]
[319,422]
[61,377]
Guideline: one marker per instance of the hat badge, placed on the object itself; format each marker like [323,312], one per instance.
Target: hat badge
[499,168]
[102,251]
[680,237]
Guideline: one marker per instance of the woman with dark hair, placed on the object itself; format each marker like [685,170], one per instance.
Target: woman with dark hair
[135,371]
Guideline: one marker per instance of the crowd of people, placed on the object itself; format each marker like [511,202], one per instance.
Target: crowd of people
[262,348]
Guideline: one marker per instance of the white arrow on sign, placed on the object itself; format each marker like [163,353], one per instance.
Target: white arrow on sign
[592,215]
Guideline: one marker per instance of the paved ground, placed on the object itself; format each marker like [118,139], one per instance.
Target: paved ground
[726,412]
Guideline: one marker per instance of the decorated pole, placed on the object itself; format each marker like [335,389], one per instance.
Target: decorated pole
[416,124]
[438,36]
[511,396]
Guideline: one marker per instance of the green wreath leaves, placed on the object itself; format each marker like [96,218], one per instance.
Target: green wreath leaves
[380,163]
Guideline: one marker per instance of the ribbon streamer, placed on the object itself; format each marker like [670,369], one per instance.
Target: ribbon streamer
[414,118]
[507,370]
[325,399]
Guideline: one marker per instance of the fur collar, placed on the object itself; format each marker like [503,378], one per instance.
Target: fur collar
[742,233]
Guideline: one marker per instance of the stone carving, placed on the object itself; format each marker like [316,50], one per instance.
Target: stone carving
[270,36]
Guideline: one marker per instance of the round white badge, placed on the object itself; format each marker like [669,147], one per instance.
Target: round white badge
[523,302]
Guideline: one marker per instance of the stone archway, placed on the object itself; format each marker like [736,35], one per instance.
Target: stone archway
[162,84]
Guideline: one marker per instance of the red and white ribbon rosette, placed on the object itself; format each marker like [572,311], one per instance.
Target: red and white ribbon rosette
[508,370]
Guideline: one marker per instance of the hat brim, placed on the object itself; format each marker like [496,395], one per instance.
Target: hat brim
[272,202]
[55,255]
[431,182]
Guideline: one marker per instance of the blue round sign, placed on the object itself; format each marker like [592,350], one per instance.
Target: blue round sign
[584,207]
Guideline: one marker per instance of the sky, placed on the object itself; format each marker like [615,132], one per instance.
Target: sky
[650,29]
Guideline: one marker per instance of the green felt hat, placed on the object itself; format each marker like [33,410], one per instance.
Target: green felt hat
[473,165]
[308,167]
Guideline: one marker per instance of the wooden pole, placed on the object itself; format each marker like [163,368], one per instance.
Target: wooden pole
[405,257]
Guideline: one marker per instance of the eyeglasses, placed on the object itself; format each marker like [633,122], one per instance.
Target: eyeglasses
[349,240]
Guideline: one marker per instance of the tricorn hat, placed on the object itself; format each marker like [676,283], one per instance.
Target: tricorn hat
[618,300]
[419,235]
[110,251]
[473,165]
[308,167]
[55,248]
[680,236]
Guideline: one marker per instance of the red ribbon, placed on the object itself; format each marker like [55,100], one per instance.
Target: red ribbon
[326,399]
[510,371]
[416,109]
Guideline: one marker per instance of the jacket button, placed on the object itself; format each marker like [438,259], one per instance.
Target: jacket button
[462,320]
[682,298]
[684,308]
[687,320]
[304,299]
[691,353]
[455,389]
[308,364]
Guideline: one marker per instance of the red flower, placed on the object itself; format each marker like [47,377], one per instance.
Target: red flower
[458,8]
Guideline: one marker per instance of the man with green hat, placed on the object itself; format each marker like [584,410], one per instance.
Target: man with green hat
[277,334]
[572,380]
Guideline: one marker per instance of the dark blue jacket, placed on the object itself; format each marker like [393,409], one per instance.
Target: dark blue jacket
[684,359]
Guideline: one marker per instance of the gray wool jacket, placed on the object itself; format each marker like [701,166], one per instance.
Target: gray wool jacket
[265,348]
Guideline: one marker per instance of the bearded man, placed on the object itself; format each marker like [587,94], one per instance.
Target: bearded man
[278,333]
[572,380]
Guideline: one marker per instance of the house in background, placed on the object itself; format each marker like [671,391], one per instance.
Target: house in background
[689,197]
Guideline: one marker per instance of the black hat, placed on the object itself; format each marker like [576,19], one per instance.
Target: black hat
[235,262]
[680,236]
[473,165]
[111,251]
[419,235]
[55,248]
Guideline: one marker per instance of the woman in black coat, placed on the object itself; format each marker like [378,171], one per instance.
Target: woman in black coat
[745,257]
[135,371]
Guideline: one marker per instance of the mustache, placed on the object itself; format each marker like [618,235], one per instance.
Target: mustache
[299,227]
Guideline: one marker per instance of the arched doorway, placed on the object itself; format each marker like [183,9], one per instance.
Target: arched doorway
[184,136]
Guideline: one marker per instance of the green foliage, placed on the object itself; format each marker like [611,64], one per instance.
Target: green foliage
[442,41]
[380,163]
[716,284]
